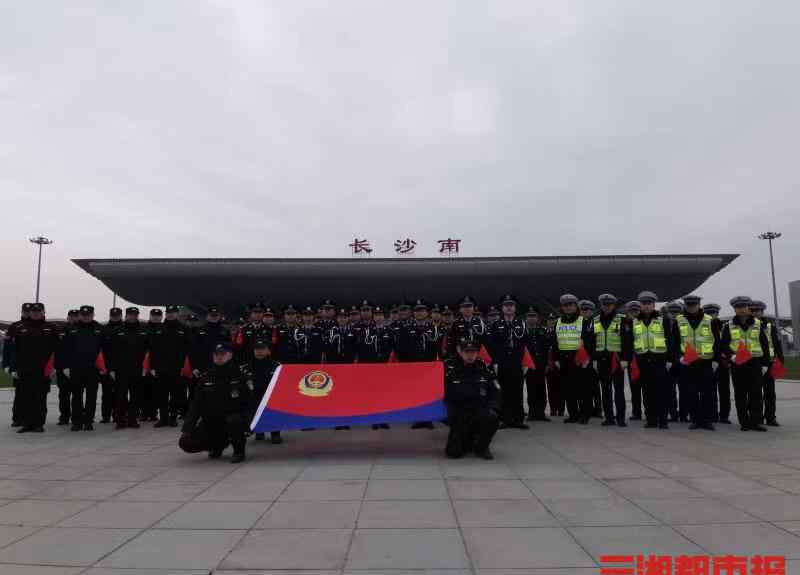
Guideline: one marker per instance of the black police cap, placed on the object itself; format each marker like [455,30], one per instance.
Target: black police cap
[26,306]
[378,310]
[213,309]
[87,309]
[156,311]
[492,309]
[39,306]
[289,309]
[467,344]
[328,304]
[466,301]
[508,298]
[354,309]
[72,312]
[223,347]
[262,343]
[403,305]
[366,305]
[342,311]
[131,311]
[257,307]
[420,304]
[532,310]
[173,309]
[308,310]
[115,311]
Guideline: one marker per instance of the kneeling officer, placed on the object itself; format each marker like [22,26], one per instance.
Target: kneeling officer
[218,414]
[473,403]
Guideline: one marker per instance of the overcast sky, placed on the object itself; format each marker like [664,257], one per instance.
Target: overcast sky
[285,129]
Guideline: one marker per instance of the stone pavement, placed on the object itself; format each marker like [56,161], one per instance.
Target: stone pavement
[555,499]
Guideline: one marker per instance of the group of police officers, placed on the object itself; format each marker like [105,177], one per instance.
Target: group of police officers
[680,361]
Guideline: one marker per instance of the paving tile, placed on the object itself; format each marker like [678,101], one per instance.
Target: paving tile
[11,533]
[290,549]
[729,486]
[610,511]
[406,515]
[618,470]
[38,512]
[786,483]
[769,507]
[793,526]
[149,491]
[683,511]
[756,467]
[407,549]
[310,514]
[406,471]
[503,513]
[194,473]
[113,571]
[465,469]
[52,473]
[417,489]
[744,539]
[126,514]
[65,547]
[87,490]
[39,570]
[688,469]
[19,488]
[8,471]
[122,474]
[324,491]
[568,489]
[488,489]
[524,548]
[557,471]
[335,472]
[633,540]
[241,490]
[215,515]
[174,549]
[651,488]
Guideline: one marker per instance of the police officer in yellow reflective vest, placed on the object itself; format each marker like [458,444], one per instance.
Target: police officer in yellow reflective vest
[609,330]
[655,346]
[745,335]
[699,362]
[776,353]
[573,332]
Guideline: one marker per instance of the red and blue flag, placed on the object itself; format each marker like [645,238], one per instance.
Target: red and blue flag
[303,396]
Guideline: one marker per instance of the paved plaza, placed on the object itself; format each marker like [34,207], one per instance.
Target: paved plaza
[555,499]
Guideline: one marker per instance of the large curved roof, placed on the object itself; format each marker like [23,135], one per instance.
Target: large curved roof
[539,280]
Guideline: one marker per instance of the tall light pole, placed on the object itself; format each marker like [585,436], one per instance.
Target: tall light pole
[41,241]
[773,236]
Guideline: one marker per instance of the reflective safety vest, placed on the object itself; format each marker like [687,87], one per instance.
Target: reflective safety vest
[649,338]
[768,327]
[701,339]
[568,334]
[751,338]
[608,340]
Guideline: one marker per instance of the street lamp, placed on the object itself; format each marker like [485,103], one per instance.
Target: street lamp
[41,241]
[773,236]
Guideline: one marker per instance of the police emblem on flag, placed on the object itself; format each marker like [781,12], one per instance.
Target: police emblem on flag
[315,384]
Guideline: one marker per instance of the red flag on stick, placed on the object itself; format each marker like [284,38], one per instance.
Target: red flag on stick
[187,368]
[581,356]
[635,372]
[778,370]
[100,363]
[614,362]
[48,368]
[527,360]
[484,355]
[743,355]
[392,358]
[146,362]
[690,355]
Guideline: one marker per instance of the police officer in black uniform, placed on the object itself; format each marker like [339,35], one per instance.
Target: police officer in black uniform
[776,353]
[536,342]
[8,344]
[507,337]
[309,339]
[108,398]
[247,334]
[722,387]
[205,340]
[376,341]
[467,326]
[34,342]
[285,347]
[571,333]
[258,373]
[147,395]
[473,400]
[632,310]
[128,347]
[62,379]
[168,353]
[83,343]
[341,340]
[219,411]
[587,309]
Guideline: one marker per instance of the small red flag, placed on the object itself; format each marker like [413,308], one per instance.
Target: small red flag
[238,340]
[581,356]
[48,368]
[778,370]
[743,355]
[635,372]
[146,362]
[690,355]
[614,362]
[100,363]
[392,358]
[527,360]
[187,368]
[484,355]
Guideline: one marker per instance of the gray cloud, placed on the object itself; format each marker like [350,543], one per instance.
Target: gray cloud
[216,129]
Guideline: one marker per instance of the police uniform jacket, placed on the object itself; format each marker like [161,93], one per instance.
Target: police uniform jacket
[473,329]
[375,344]
[169,348]
[285,347]
[587,335]
[82,343]
[671,334]
[309,344]
[340,345]
[507,342]
[538,345]
[470,387]
[221,391]
[34,341]
[204,339]
[129,344]
[8,342]
[725,340]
